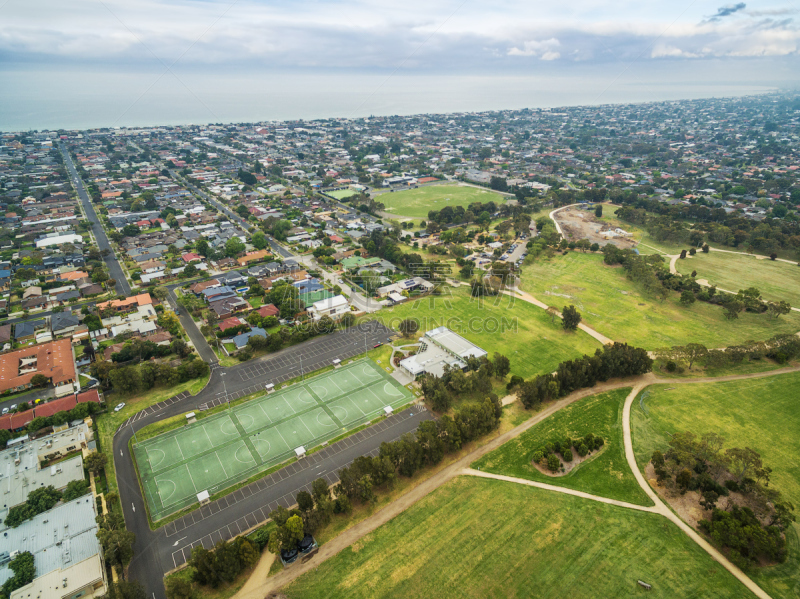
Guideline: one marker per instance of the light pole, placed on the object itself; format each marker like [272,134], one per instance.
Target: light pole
[302,378]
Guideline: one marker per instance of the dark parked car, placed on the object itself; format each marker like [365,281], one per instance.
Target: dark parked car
[289,556]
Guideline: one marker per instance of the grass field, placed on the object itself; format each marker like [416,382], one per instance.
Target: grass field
[416,203]
[615,306]
[224,449]
[761,413]
[341,194]
[606,474]
[512,327]
[482,538]
[775,280]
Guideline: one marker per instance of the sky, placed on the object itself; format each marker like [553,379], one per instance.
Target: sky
[462,36]
[82,63]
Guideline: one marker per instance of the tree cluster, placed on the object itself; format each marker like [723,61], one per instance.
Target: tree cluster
[617,360]
[24,571]
[38,501]
[441,392]
[546,455]
[751,532]
[224,563]
[428,446]
[141,377]
[116,540]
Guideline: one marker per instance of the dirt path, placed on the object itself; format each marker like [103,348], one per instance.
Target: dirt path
[555,222]
[662,508]
[253,588]
[458,467]
[566,491]
[583,327]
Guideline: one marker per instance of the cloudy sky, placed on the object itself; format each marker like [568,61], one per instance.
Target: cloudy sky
[412,35]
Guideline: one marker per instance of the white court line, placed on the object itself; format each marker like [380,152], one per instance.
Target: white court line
[284,440]
[190,477]
[221,464]
[308,429]
[290,405]
[352,401]
[338,387]
[209,438]
[183,458]
[260,407]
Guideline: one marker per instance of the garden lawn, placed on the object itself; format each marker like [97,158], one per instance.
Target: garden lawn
[616,307]
[776,280]
[514,328]
[484,538]
[763,414]
[605,473]
[416,203]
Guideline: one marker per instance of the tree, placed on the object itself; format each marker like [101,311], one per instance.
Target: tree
[694,352]
[682,254]
[687,297]
[179,588]
[161,293]
[408,327]
[705,248]
[502,365]
[305,502]
[598,210]
[75,489]
[233,247]
[39,380]
[570,318]
[116,540]
[126,590]
[259,240]
[291,533]
[202,247]
[732,309]
[24,570]
[777,309]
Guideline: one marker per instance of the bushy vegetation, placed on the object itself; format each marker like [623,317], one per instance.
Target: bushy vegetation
[546,456]
[24,571]
[442,392]
[145,376]
[223,563]
[611,361]
[751,532]
[38,501]
[428,446]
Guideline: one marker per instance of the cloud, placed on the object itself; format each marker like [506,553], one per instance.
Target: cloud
[726,11]
[546,49]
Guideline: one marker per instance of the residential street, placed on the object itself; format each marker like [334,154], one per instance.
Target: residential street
[114,269]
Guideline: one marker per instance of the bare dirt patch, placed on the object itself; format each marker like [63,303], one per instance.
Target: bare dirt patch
[582,224]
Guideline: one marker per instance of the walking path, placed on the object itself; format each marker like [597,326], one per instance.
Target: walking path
[532,300]
[461,467]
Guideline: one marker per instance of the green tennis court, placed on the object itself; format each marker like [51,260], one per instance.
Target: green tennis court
[226,448]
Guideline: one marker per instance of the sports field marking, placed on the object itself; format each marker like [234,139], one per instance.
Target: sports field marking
[171,493]
[343,419]
[207,437]
[284,440]
[332,423]
[183,457]
[232,425]
[222,465]
[261,453]
[250,455]
[320,390]
[390,389]
[153,465]
[313,436]
[309,399]
[191,478]
[337,386]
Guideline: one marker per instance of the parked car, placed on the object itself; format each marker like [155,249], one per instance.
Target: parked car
[119,406]
[13,408]
[5,411]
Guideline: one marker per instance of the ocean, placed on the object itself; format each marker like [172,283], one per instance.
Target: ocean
[42,98]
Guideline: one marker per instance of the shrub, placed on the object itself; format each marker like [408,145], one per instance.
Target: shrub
[567,454]
[537,456]
[732,485]
[671,366]
[553,463]
[342,505]
[581,449]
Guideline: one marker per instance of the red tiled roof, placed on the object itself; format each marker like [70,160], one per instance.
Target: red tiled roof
[55,406]
[268,310]
[90,395]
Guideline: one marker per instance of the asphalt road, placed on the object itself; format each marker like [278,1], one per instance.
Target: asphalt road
[114,269]
[190,326]
[154,549]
